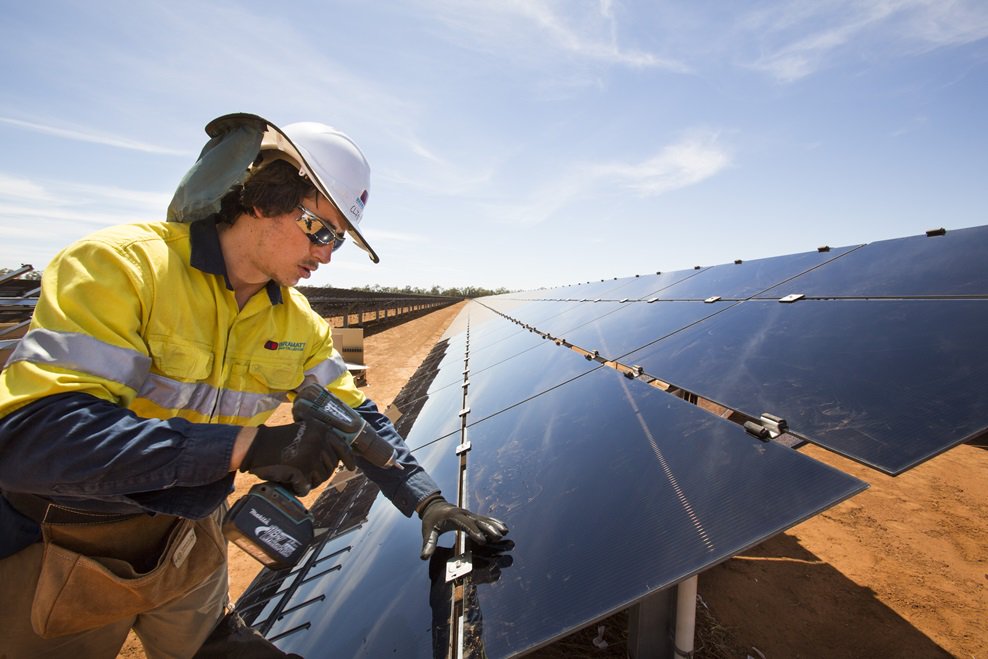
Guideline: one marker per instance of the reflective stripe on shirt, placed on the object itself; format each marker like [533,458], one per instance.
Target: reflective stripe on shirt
[328,370]
[85,354]
[205,399]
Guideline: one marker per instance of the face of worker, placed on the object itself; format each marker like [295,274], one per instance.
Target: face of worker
[287,253]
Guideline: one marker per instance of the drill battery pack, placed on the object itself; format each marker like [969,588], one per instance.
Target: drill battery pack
[271,525]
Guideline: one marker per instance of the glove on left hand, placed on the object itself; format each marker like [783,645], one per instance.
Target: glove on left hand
[440,516]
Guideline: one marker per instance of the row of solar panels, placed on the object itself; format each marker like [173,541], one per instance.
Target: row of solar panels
[875,351]
[615,490]
[18,297]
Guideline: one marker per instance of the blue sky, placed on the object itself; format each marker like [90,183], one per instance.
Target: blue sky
[516,143]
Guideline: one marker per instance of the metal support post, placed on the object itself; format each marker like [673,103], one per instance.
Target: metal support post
[661,626]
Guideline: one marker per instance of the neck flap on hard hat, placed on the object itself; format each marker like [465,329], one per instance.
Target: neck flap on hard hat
[235,141]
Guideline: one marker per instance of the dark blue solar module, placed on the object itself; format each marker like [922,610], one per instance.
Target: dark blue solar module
[484,355]
[645,286]
[636,324]
[745,279]
[612,489]
[556,318]
[429,417]
[365,593]
[535,313]
[592,289]
[953,264]
[887,382]
[541,369]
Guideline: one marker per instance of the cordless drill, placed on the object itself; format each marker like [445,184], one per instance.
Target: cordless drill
[269,522]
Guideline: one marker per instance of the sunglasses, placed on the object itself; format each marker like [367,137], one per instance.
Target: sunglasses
[318,230]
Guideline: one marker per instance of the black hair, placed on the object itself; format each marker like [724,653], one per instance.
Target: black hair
[273,189]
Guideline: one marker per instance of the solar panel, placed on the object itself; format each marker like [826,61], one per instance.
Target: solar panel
[644,286]
[744,279]
[493,385]
[614,329]
[533,313]
[540,369]
[853,377]
[887,382]
[952,264]
[365,593]
[615,490]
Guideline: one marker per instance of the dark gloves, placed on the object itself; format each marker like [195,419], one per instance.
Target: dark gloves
[440,516]
[301,455]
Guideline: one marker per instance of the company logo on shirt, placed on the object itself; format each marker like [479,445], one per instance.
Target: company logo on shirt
[295,346]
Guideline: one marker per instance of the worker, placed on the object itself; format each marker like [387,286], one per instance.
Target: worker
[155,355]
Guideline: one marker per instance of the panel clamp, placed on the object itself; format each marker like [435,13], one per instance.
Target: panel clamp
[712,299]
[766,427]
[793,297]
[776,424]
[757,430]
[459,566]
[633,372]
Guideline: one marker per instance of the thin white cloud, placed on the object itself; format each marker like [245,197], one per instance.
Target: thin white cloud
[525,28]
[585,41]
[16,215]
[799,38]
[942,23]
[691,160]
[431,172]
[45,195]
[21,188]
[37,218]
[93,137]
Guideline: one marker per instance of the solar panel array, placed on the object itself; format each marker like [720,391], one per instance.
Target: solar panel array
[875,352]
[542,409]
[18,297]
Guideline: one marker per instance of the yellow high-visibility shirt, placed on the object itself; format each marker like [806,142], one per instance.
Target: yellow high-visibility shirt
[142,315]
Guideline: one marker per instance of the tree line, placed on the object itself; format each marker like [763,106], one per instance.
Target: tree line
[466,291]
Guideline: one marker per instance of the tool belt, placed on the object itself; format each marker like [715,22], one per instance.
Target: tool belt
[99,568]
[42,510]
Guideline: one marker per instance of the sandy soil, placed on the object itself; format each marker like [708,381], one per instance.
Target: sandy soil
[900,570]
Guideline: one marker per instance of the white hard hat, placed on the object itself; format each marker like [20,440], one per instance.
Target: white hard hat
[334,164]
[327,157]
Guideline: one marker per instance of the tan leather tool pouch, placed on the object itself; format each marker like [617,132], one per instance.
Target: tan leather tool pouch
[96,574]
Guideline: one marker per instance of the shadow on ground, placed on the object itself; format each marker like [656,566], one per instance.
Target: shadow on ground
[789,603]
[780,600]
